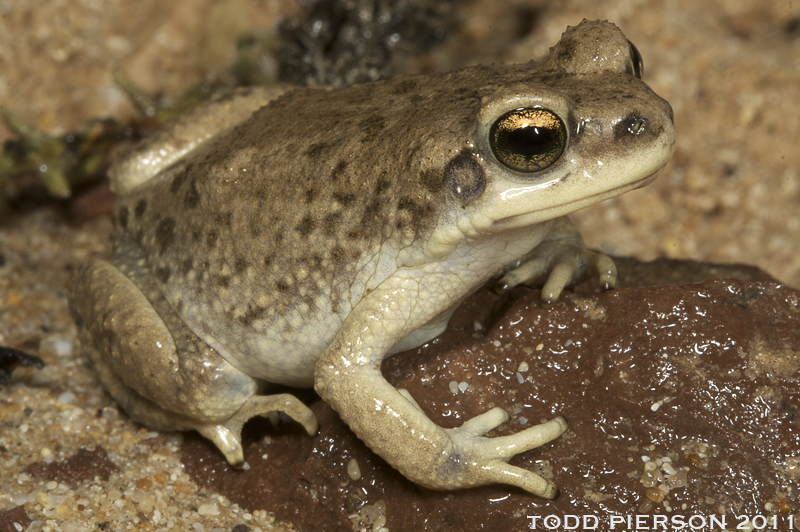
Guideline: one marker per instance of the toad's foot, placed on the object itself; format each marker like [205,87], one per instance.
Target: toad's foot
[566,259]
[485,460]
[227,436]
[567,265]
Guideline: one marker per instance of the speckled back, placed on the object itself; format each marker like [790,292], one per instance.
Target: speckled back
[273,232]
[276,220]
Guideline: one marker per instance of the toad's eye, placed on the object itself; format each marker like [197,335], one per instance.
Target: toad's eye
[528,140]
[636,60]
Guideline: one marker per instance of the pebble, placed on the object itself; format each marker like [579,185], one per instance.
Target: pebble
[208,509]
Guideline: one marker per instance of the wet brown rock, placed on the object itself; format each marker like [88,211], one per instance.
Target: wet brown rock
[13,518]
[80,466]
[682,401]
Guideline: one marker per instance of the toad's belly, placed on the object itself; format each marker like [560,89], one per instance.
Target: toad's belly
[282,349]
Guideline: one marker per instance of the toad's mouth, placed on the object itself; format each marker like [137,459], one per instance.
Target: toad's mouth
[572,206]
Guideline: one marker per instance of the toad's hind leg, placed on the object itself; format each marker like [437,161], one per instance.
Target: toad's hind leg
[159,371]
[227,436]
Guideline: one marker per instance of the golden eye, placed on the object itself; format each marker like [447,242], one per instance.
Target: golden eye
[528,140]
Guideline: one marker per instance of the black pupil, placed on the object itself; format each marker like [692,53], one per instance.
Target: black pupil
[532,141]
[528,140]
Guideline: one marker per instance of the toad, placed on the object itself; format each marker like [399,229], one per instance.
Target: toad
[299,237]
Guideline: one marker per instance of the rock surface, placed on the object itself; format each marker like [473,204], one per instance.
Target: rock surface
[682,401]
[13,518]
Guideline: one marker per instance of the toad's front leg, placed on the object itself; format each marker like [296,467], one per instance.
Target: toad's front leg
[348,377]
